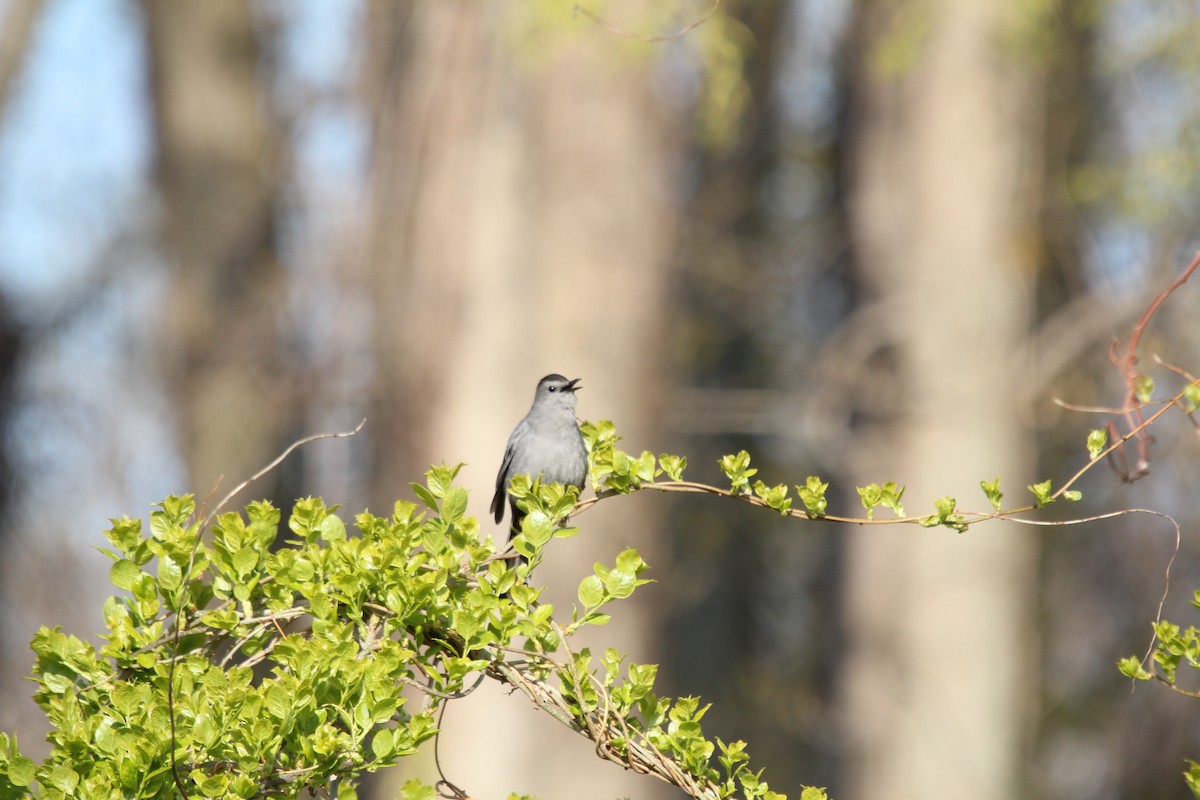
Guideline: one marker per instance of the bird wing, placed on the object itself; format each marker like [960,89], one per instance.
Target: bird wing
[510,449]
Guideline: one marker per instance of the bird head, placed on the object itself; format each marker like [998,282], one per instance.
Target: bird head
[557,390]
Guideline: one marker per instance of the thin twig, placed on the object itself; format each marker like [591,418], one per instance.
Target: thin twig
[454,791]
[1162,600]
[1121,439]
[279,460]
[1175,688]
[429,690]
[692,487]
[1174,368]
[637,37]
[1063,404]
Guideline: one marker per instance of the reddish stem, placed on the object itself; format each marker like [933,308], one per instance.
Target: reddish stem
[1126,362]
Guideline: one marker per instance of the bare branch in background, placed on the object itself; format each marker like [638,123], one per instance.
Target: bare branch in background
[638,37]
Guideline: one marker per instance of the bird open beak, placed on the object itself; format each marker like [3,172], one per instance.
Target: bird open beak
[572,385]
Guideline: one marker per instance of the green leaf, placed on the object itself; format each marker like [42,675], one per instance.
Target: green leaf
[145,592]
[620,583]
[424,495]
[1072,495]
[992,490]
[125,534]
[204,730]
[414,789]
[774,496]
[174,513]
[170,574]
[591,591]
[673,465]
[1191,397]
[105,738]
[1192,777]
[454,505]
[65,779]
[538,529]
[1143,388]
[333,529]
[812,494]
[279,702]
[643,676]
[440,478]
[630,561]
[223,619]
[870,496]
[21,771]
[1132,668]
[383,743]
[1097,440]
[946,515]
[888,496]
[403,511]
[244,561]
[305,521]
[212,785]
[645,467]
[129,771]
[737,469]
[123,574]
[1042,492]
[891,498]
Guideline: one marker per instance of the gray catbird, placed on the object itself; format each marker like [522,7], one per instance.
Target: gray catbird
[546,443]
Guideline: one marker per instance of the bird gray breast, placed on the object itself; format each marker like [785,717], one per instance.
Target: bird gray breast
[550,446]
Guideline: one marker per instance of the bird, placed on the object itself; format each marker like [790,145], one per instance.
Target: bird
[546,443]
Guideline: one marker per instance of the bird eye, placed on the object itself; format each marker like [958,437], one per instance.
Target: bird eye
[552,388]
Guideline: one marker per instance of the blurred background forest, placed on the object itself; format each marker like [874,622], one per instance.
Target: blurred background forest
[869,241]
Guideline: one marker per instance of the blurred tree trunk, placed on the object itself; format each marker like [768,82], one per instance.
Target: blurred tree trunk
[18,23]
[521,226]
[218,173]
[938,687]
[748,622]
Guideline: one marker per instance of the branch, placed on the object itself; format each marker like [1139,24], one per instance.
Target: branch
[712,9]
[1176,688]
[603,731]
[1125,358]
[1162,600]
[1121,439]
[279,460]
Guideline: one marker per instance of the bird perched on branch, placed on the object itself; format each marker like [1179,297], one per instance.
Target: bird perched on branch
[545,444]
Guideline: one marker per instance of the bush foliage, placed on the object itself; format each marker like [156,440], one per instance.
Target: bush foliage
[232,668]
